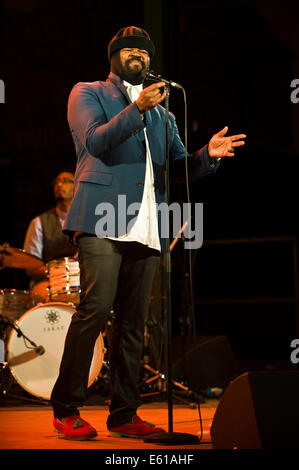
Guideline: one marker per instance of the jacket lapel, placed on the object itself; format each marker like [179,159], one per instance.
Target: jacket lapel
[152,121]
[119,84]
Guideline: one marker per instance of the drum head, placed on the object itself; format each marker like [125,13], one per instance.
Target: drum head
[46,325]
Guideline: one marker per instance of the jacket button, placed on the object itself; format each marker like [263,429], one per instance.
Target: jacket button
[140,183]
[142,157]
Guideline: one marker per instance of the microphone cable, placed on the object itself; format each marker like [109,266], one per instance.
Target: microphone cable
[191,293]
[190,274]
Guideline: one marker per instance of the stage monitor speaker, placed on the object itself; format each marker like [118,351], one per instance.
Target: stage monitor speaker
[205,361]
[258,410]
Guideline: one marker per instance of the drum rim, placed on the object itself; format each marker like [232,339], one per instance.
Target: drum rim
[64,259]
[100,338]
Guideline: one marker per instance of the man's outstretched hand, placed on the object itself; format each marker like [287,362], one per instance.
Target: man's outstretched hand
[222,146]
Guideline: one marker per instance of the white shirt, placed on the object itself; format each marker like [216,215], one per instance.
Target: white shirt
[145,229]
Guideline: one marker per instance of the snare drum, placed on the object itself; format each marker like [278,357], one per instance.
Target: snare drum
[13,303]
[46,325]
[64,280]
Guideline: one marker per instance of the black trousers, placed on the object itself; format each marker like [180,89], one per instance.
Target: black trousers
[109,271]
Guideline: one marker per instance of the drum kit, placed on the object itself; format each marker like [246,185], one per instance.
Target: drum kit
[34,323]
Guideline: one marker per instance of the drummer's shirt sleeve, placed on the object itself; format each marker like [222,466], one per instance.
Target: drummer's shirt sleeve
[33,243]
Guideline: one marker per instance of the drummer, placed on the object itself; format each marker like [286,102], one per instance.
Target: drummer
[44,237]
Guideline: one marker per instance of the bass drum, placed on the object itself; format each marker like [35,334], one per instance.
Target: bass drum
[46,325]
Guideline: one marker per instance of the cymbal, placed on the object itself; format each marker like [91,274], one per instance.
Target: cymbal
[16,258]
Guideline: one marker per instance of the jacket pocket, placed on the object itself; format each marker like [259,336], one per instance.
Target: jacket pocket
[96,177]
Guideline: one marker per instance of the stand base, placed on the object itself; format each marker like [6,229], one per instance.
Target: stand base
[172,438]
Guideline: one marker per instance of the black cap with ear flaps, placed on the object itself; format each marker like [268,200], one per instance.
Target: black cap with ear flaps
[131,36]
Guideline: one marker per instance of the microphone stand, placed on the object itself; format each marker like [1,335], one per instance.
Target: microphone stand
[169,437]
[20,333]
[168,276]
[39,350]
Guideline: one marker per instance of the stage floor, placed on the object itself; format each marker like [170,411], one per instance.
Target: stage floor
[30,427]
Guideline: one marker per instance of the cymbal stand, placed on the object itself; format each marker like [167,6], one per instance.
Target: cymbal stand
[161,378]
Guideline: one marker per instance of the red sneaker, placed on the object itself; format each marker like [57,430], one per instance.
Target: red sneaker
[137,429]
[74,428]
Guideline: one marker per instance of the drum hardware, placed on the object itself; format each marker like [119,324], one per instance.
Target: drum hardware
[7,382]
[154,384]
[5,376]
[160,378]
[182,393]
[6,379]
[155,381]
[101,385]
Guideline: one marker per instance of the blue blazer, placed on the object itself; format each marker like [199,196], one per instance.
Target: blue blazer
[107,132]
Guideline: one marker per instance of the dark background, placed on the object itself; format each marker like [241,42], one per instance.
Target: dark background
[236,61]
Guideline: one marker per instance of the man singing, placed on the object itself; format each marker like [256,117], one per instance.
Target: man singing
[118,128]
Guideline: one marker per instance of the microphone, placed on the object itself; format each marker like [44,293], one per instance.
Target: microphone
[40,350]
[153,76]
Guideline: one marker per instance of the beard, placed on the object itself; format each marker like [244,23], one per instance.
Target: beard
[133,70]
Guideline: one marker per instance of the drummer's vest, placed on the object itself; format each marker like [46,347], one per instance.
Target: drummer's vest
[55,243]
